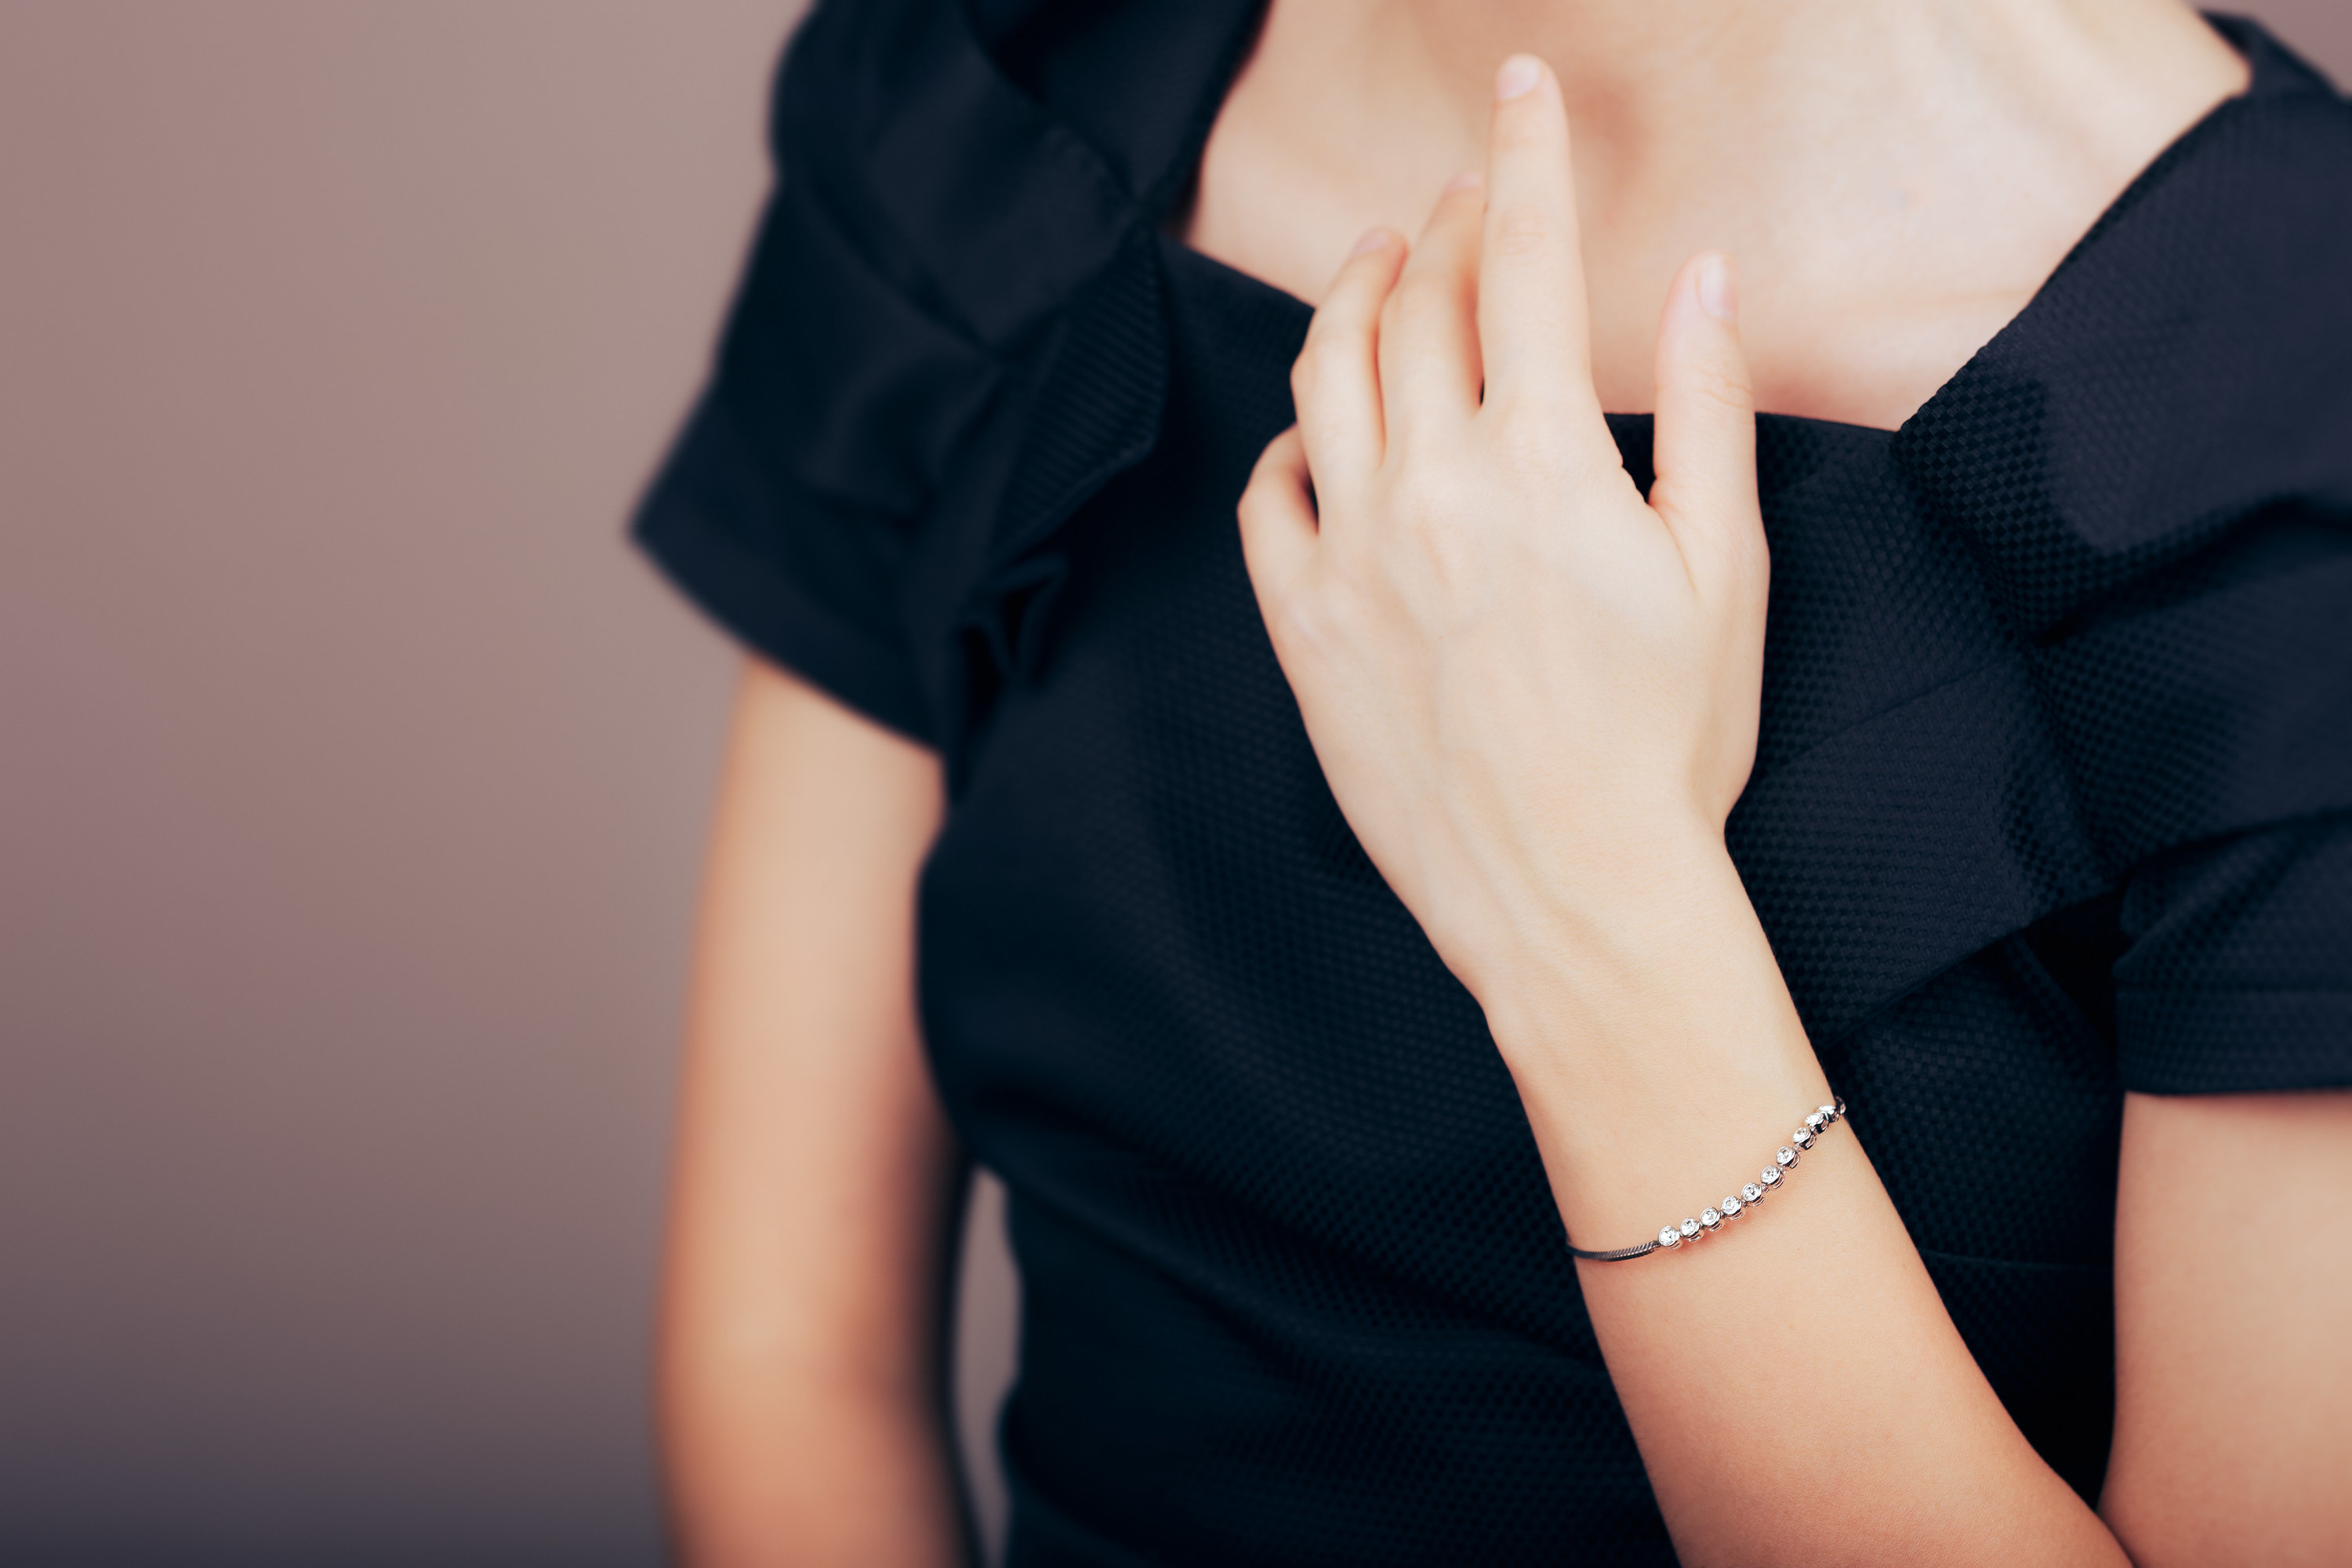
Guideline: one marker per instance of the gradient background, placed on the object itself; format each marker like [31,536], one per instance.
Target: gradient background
[353,774]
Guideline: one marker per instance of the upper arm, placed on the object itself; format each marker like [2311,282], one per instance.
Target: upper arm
[2233,1291]
[814,1175]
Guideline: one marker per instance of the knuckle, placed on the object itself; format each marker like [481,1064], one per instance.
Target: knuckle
[1252,493]
[1304,376]
[1265,480]
[1521,407]
[1516,233]
[1418,305]
[1522,125]
[1721,387]
[1361,274]
[1426,504]
[1416,499]
[1312,615]
[1320,361]
[1250,510]
[1530,439]
[1396,307]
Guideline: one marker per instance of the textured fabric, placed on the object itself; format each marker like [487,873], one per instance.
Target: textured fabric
[2053,795]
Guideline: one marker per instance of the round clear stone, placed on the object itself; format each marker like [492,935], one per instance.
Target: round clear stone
[1691,1231]
[1669,1236]
[1829,1113]
[1802,1138]
[1770,1175]
[1816,1122]
[1839,1107]
[1752,1193]
[1731,1207]
[1784,1156]
[1711,1218]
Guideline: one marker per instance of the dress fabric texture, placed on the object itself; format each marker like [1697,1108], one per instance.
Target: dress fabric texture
[2054,797]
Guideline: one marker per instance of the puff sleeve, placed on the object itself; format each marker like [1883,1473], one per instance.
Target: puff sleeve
[791,506]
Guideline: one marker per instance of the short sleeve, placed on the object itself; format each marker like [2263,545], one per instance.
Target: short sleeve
[782,510]
[802,581]
[2238,976]
[793,505]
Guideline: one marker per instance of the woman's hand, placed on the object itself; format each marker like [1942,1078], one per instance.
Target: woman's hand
[1533,693]
[1535,696]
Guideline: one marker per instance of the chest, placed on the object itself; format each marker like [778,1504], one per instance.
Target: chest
[1866,281]
[1146,866]
[1892,689]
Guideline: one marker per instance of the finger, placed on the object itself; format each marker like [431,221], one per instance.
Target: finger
[1706,447]
[1531,296]
[1336,381]
[1277,519]
[1430,368]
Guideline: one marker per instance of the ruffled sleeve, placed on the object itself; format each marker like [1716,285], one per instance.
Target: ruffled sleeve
[949,334]
[793,506]
[2093,624]
[2153,470]
[2238,975]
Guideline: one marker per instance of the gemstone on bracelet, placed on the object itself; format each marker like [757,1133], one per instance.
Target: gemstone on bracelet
[1802,1138]
[1691,1231]
[1711,1218]
[1770,1175]
[1669,1236]
[1828,1113]
[1817,1122]
[1752,1193]
[1784,1156]
[1731,1206]
[1839,1107]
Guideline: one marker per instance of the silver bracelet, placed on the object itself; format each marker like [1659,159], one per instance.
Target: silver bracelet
[1711,1220]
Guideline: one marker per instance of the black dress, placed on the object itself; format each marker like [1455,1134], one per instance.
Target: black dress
[2053,798]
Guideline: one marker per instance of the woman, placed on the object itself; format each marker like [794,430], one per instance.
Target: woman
[1324,926]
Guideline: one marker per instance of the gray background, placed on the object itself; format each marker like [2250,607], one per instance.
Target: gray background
[351,774]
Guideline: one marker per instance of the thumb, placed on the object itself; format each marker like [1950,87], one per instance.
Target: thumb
[1705,443]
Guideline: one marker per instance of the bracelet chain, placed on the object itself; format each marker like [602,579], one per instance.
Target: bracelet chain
[1707,1221]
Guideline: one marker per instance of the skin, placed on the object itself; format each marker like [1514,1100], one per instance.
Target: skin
[815,1183]
[1580,890]
[1896,181]
[1534,695]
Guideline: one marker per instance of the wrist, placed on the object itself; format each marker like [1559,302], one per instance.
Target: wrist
[1655,1049]
[1606,946]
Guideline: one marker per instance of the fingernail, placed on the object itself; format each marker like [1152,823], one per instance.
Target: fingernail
[1467,180]
[1717,296]
[1374,239]
[1516,77]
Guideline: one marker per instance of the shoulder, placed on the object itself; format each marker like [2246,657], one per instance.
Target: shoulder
[2152,469]
[988,156]
[2187,368]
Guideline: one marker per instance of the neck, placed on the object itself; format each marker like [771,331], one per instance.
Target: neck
[1627,65]
[1677,87]
[1896,179]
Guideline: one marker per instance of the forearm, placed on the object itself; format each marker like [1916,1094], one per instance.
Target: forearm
[1536,691]
[768,1464]
[1796,1388]
[800,1380]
